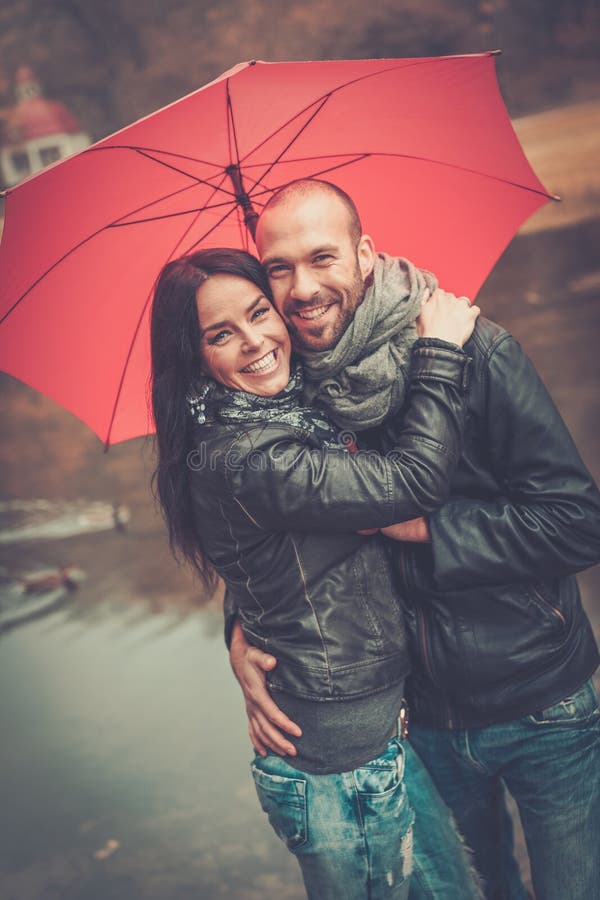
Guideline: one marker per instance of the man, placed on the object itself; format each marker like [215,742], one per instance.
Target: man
[502,650]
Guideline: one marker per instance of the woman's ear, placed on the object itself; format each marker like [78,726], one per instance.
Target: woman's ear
[365,252]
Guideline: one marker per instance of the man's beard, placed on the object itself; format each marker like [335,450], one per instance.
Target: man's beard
[310,339]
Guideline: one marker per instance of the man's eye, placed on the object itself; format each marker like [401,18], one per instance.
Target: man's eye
[276,271]
[323,257]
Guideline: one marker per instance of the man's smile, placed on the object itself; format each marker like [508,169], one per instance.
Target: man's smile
[314,312]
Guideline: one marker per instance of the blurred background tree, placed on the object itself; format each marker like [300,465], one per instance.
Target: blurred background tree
[112,61]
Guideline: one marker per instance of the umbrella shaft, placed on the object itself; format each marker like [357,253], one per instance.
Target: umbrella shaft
[250,214]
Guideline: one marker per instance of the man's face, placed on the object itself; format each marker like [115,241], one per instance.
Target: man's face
[316,271]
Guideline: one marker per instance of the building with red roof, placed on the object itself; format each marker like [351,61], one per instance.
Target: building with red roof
[37,131]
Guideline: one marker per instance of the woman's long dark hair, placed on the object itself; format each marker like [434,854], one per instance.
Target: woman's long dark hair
[176,365]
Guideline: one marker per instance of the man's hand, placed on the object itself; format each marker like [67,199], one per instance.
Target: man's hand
[415,530]
[265,719]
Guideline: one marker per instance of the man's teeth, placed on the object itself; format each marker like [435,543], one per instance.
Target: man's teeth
[315,313]
[261,364]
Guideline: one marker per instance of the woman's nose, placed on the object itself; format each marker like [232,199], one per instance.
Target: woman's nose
[252,340]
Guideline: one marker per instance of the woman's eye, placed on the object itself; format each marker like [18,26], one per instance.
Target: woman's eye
[219,337]
[260,312]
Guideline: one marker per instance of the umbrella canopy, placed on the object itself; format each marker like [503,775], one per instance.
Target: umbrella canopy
[425,147]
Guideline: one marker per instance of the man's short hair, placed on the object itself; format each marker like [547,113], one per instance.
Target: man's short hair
[304,187]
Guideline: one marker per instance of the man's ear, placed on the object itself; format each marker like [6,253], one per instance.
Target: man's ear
[365,253]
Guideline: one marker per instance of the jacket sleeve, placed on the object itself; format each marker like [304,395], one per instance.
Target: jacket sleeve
[546,520]
[284,485]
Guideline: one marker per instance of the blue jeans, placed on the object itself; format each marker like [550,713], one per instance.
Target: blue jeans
[352,832]
[442,868]
[550,763]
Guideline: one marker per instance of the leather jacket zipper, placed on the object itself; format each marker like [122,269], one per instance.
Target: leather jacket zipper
[552,609]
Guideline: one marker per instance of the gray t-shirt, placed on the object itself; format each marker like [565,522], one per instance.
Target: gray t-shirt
[339,735]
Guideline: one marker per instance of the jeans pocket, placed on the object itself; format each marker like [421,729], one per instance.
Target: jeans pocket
[381,791]
[382,775]
[284,800]
[580,707]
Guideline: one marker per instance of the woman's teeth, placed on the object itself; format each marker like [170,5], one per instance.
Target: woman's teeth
[265,362]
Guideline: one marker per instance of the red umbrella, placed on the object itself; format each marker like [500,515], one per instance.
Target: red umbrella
[424,146]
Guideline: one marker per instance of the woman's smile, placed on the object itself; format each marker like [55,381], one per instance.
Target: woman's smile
[264,365]
[244,343]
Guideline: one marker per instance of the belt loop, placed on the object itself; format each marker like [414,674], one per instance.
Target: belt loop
[400,759]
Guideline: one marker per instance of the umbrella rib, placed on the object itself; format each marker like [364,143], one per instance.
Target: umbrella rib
[204,162]
[231,126]
[449,165]
[132,212]
[139,322]
[347,84]
[271,190]
[255,182]
[212,228]
[81,243]
[49,269]
[172,215]
[295,138]
[427,159]
[299,159]
[343,165]
[147,152]
[182,172]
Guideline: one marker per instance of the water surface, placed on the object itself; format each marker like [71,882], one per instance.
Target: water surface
[124,739]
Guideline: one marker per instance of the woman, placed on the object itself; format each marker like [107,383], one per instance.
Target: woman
[260,490]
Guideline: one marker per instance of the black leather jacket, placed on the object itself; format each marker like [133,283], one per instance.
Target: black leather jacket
[495,623]
[278,516]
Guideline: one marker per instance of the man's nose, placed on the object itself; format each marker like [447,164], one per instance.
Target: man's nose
[304,285]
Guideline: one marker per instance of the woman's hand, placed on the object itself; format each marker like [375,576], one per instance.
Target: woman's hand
[447,317]
[265,719]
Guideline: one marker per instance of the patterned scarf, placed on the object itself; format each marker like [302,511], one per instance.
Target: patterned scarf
[210,402]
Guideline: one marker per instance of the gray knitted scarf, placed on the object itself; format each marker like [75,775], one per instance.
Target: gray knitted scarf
[360,381]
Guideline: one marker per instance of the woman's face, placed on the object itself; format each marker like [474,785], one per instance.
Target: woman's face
[243,341]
